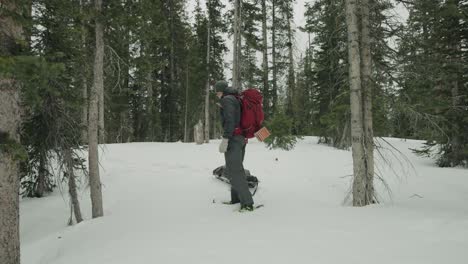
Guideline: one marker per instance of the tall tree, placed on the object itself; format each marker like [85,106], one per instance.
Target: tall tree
[361,197]
[11,37]
[98,83]
[366,73]
[207,91]
[432,98]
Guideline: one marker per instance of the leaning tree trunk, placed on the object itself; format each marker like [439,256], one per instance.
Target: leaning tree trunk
[366,71]
[94,179]
[357,137]
[11,32]
[207,89]
[236,66]
[266,88]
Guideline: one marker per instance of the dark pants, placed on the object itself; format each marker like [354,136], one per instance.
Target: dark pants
[235,171]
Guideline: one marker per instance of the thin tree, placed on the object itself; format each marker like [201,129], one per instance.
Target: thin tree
[72,187]
[366,71]
[274,91]
[94,178]
[266,88]
[357,134]
[84,79]
[236,67]
[11,33]
[207,91]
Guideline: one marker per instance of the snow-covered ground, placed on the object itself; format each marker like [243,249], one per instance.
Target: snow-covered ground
[162,205]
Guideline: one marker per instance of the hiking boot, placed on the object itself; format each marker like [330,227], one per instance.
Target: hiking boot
[246,208]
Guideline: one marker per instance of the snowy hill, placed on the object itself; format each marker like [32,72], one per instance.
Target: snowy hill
[158,200]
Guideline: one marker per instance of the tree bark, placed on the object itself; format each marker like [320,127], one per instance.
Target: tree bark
[274,90]
[207,91]
[11,32]
[266,88]
[366,72]
[236,67]
[72,188]
[84,80]
[291,77]
[186,103]
[94,178]
[357,137]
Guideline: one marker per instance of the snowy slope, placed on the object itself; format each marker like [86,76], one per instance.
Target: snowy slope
[158,200]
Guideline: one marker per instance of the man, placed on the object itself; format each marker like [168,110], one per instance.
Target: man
[233,145]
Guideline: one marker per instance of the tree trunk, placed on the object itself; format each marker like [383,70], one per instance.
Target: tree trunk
[357,137]
[266,88]
[366,71]
[172,73]
[94,178]
[72,189]
[10,34]
[236,66]
[456,74]
[41,177]
[84,80]
[100,87]
[150,104]
[207,91]
[273,55]
[198,133]
[291,77]
[186,104]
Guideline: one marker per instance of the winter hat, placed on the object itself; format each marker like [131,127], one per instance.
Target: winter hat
[221,86]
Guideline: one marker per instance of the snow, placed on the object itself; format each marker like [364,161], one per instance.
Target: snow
[158,200]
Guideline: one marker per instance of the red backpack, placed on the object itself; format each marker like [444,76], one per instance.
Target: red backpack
[251,112]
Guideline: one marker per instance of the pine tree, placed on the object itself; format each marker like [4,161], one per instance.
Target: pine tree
[432,101]
[359,59]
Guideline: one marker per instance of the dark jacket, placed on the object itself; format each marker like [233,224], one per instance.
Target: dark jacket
[230,112]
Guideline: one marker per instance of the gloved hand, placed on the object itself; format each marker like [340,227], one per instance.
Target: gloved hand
[223,145]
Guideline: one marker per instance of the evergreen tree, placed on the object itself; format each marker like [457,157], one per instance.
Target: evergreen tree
[432,101]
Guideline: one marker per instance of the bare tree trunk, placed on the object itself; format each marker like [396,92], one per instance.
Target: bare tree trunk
[72,189]
[150,106]
[100,87]
[172,65]
[266,87]
[9,176]
[357,137]
[273,55]
[11,32]
[207,91]
[236,67]
[366,71]
[84,80]
[186,104]
[41,177]
[291,77]
[94,178]
[198,133]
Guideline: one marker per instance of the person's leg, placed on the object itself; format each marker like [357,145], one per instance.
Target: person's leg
[236,171]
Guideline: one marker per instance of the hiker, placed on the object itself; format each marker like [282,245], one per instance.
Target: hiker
[233,145]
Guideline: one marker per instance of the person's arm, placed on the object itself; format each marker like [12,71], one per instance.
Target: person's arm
[228,105]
